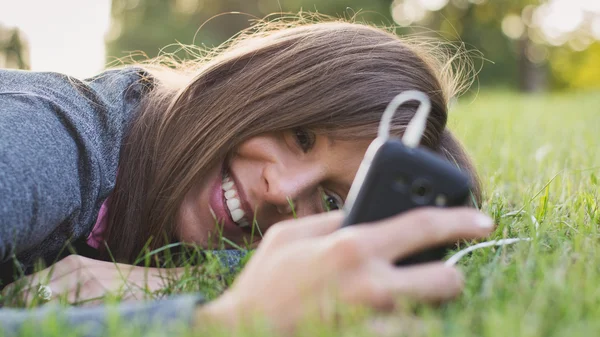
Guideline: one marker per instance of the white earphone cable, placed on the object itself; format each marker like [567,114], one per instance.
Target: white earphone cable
[503,242]
[416,126]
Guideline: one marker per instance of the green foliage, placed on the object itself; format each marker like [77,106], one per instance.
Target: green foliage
[150,25]
[479,26]
[145,28]
[576,70]
[14,51]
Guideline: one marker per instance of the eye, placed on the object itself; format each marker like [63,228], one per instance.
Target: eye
[331,201]
[304,138]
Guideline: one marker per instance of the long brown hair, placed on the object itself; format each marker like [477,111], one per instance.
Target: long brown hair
[334,76]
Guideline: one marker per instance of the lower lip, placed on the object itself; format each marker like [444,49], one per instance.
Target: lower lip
[217,203]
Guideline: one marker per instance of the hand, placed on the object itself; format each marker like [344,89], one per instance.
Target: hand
[309,262]
[86,281]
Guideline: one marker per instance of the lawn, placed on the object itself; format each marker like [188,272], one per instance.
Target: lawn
[539,154]
[539,160]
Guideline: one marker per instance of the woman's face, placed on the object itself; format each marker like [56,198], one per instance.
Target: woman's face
[269,178]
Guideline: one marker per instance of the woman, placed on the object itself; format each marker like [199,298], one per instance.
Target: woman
[280,117]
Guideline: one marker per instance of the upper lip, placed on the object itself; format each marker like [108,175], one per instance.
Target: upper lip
[244,204]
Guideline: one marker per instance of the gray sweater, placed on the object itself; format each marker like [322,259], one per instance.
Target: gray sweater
[59,149]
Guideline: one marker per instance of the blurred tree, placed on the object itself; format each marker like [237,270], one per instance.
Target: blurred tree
[14,51]
[576,69]
[523,38]
[148,25]
[529,43]
[481,24]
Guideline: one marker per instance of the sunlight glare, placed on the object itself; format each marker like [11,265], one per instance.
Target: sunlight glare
[65,36]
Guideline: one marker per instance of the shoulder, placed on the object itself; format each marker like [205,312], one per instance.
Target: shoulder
[113,94]
[108,84]
[128,82]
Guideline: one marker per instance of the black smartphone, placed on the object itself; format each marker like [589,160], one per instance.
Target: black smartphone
[394,178]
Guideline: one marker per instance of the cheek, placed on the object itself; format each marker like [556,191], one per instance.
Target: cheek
[194,219]
[187,228]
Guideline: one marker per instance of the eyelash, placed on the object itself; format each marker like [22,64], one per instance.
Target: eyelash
[337,199]
[309,139]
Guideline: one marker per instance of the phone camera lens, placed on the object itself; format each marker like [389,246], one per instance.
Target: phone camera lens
[421,191]
[441,200]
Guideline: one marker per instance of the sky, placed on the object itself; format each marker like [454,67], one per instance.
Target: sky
[63,35]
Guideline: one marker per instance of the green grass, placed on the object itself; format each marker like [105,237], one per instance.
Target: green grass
[540,154]
[536,154]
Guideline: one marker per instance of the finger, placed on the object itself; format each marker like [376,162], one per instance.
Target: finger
[78,279]
[431,282]
[69,265]
[73,289]
[310,226]
[28,286]
[414,231]
[126,282]
[26,294]
[27,289]
[38,288]
[21,293]
[43,276]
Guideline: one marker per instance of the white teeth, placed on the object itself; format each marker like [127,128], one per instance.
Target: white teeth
[233,203]
[230,194]
[237,215]
[227,186]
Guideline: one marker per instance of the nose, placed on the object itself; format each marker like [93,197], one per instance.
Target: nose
[297,184]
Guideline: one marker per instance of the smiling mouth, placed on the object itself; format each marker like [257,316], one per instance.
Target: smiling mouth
[233,202]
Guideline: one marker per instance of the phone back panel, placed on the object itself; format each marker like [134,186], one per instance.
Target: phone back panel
[399,179]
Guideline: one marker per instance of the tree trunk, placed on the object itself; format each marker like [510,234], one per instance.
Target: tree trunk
[533,77]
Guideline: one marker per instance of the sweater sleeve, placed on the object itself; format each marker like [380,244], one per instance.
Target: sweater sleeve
[59,147]
[171,316]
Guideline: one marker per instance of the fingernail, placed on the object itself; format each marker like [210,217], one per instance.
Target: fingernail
[484,221]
